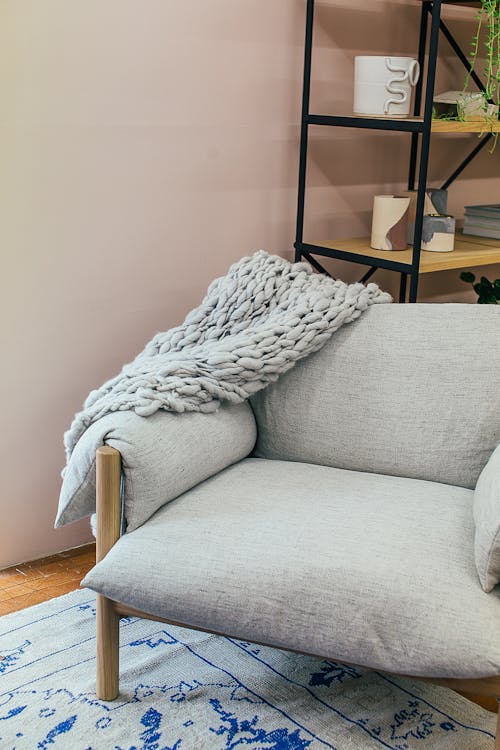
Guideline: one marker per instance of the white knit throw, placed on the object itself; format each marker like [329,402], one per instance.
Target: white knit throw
[254,324]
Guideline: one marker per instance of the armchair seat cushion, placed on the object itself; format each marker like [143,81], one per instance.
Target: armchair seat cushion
[364,568]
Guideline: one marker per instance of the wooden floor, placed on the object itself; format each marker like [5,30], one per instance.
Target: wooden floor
[40,580]
[35,582]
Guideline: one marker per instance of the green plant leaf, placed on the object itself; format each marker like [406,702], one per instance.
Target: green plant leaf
[486,282]
[468,277]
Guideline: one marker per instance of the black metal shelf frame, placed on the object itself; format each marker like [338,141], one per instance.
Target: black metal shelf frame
[369,123]
[419,128]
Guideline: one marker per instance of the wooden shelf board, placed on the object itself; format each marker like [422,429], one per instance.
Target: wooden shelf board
[468,126]
[466,3]
[441,126]
[469,252]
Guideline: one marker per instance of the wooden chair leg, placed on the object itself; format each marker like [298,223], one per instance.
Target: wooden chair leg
[108,508]
[108,644]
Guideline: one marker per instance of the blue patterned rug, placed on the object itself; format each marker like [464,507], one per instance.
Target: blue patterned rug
[184,690]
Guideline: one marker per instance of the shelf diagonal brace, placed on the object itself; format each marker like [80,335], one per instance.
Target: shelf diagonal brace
[458,171]
[316,264]
[368,274]
[461,56]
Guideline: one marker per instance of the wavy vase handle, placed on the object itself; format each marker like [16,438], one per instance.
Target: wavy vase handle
[411,74]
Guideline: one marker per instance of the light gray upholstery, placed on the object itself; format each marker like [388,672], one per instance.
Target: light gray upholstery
[364,568]
[407,390]
[487,521]
[162,456]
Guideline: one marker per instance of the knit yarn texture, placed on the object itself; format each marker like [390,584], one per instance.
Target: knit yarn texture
[254,324]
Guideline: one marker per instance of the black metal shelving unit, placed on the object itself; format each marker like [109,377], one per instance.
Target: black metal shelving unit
[420,128]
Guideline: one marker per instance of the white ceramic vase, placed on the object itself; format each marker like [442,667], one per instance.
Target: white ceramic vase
[383,85]
[438,233]
[390,222]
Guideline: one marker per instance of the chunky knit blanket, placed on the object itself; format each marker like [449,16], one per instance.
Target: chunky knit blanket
[252,326]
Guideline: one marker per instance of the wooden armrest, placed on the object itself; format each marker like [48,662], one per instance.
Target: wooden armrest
[108,501]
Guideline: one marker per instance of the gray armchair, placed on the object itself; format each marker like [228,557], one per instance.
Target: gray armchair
[333,515]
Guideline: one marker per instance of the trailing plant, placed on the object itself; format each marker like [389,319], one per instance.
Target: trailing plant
[488,292]
[485,43]
[488,19]
[488,26]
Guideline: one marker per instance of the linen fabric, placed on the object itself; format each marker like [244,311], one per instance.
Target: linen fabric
[407,390]
[487,520]
[366,568]
[162,457]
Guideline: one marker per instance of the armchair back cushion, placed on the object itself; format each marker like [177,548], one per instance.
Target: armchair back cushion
[406,390]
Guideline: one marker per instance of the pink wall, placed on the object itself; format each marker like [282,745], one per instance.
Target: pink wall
[146,146]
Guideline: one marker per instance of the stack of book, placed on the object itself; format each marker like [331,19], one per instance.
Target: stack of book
[483,221]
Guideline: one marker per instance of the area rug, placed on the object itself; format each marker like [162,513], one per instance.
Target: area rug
[185,690]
